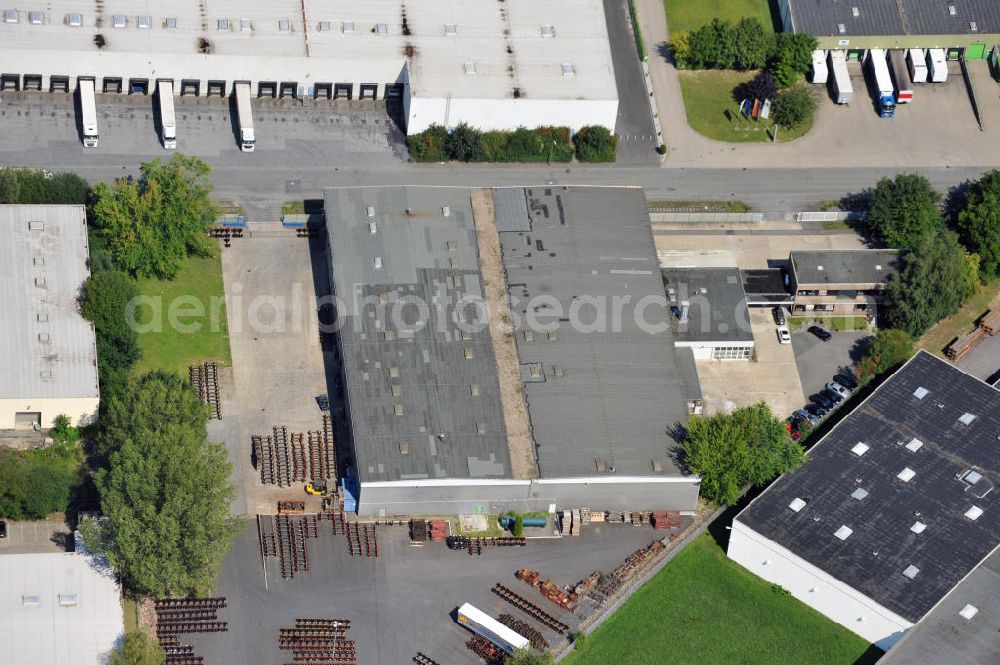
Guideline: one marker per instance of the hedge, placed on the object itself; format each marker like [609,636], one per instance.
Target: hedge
[31,186]
[542,144]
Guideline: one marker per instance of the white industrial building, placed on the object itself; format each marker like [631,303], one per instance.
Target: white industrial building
[894,508]
[494,65]
[49,350]
[59,608]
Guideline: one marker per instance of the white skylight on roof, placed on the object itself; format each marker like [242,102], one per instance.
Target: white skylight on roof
[143,21]
[10,16]
[967,418]
[75,20]
[859,493]
[36,17]
[325,26]
[906,475]
[918,527]
[568,69]
[347,27]
[284,25]
[118,21]
[222,24]
[914,445]
[67,599]
[974,513]
[860,448]
[470,68]
[844,532]
[797,504]
[450,29]
[972,476]
[920,392]
[382,28]
[246,25]
[548,30]
[968,612]
[911,571]
[170,23]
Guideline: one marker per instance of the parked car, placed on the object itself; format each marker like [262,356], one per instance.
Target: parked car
[822,400]
[846,380]
[779,316]
[802,414]
[822,334]
[817,410]
[832,396]
[3,529]
[835,387]
[784,337]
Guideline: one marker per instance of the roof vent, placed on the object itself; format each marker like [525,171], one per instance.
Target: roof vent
[43,337]
[860,448]
[222,24]
[446,211]
[382,28]
[568,69]
[855,12]
[914,445]
[844,532]
[404,447]
[974,513]
[39,281]
[480,428]
[918,527]
[325,26]
[36,18]
[370,211]
[377,262]
[797,504]
[973,26]
[450,29]
[398,409]
[819,267]
[548,30]
[38,260]
[67,599]
[967,418]
[859,493]
[841,28]
[36,226]
[347,27]
[170,23]
[972,476]
[42,317]
[143,22]
[10,16]
[911,571]
[906,475]
[118,21]
[74,20]
[952,11]
[246,25]
[878,266]
[284,25]
[920,392]
[470,68]
[968,612]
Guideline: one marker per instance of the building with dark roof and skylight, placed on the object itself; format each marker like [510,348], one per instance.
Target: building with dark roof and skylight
[894,508]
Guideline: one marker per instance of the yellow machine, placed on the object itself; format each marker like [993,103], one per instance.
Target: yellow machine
[316,488]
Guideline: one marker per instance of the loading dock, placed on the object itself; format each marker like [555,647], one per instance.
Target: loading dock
[216,89]
[10,82]
[393,90]
[343,90]
[190,87]
[33,82]
[111,84]
[58,84]
[288,89]
[267,89]
[368,89]
[138,86]
[324,90]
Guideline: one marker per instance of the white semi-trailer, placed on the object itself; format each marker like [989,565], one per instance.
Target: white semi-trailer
[840,78]
[489,628]
[243,110]
[820,73]
[88,113]
[917,60]
[168,122]
[937,64]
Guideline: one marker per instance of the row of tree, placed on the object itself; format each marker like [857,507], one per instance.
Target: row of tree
[744,46]
[542,144]
[951,250]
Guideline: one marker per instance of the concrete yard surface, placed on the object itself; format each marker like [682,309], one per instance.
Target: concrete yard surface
[403,601]
[818,361]
[772,377]
[35,536]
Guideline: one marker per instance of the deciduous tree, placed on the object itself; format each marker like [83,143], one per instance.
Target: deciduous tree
[752,43]
[979,222]
[165,494]
[794,106]
[904,209]
[889,349]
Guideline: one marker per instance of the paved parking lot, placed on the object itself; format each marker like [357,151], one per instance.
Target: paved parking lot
[818,361]
[401,602]
[318,133]
[772,378]
[36,536]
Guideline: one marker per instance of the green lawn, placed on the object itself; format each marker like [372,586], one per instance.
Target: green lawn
[831,323]
[199,283]
[712,111]
[688,15]
[703,609]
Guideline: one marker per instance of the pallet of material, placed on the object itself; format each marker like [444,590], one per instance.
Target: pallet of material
[597,516]
[418,532]
[991,322]
[961,346]
[438,530]
[665,519]
[291,507]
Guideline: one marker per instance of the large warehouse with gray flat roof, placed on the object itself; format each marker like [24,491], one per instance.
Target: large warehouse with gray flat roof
[498,66]
[49,350]
[864,24]
[894,508]
[428,433]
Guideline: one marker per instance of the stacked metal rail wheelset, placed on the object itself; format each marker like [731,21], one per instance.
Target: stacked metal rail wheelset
[319,641]
[529,608]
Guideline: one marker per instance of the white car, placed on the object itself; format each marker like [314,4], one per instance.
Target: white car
[784,337]
[835,387]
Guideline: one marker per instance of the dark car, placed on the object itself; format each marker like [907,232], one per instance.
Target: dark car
[817,410]
[779,315]
[3,529]
[846,380]
[822,334]
[832,396]
[822,400]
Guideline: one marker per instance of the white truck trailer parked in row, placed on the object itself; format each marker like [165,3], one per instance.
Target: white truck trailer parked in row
[900,76]
[937,64]
[243,110]
[879,67]
[88,113]
[168,123]
[917,60]
[843,91]
[820,71]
